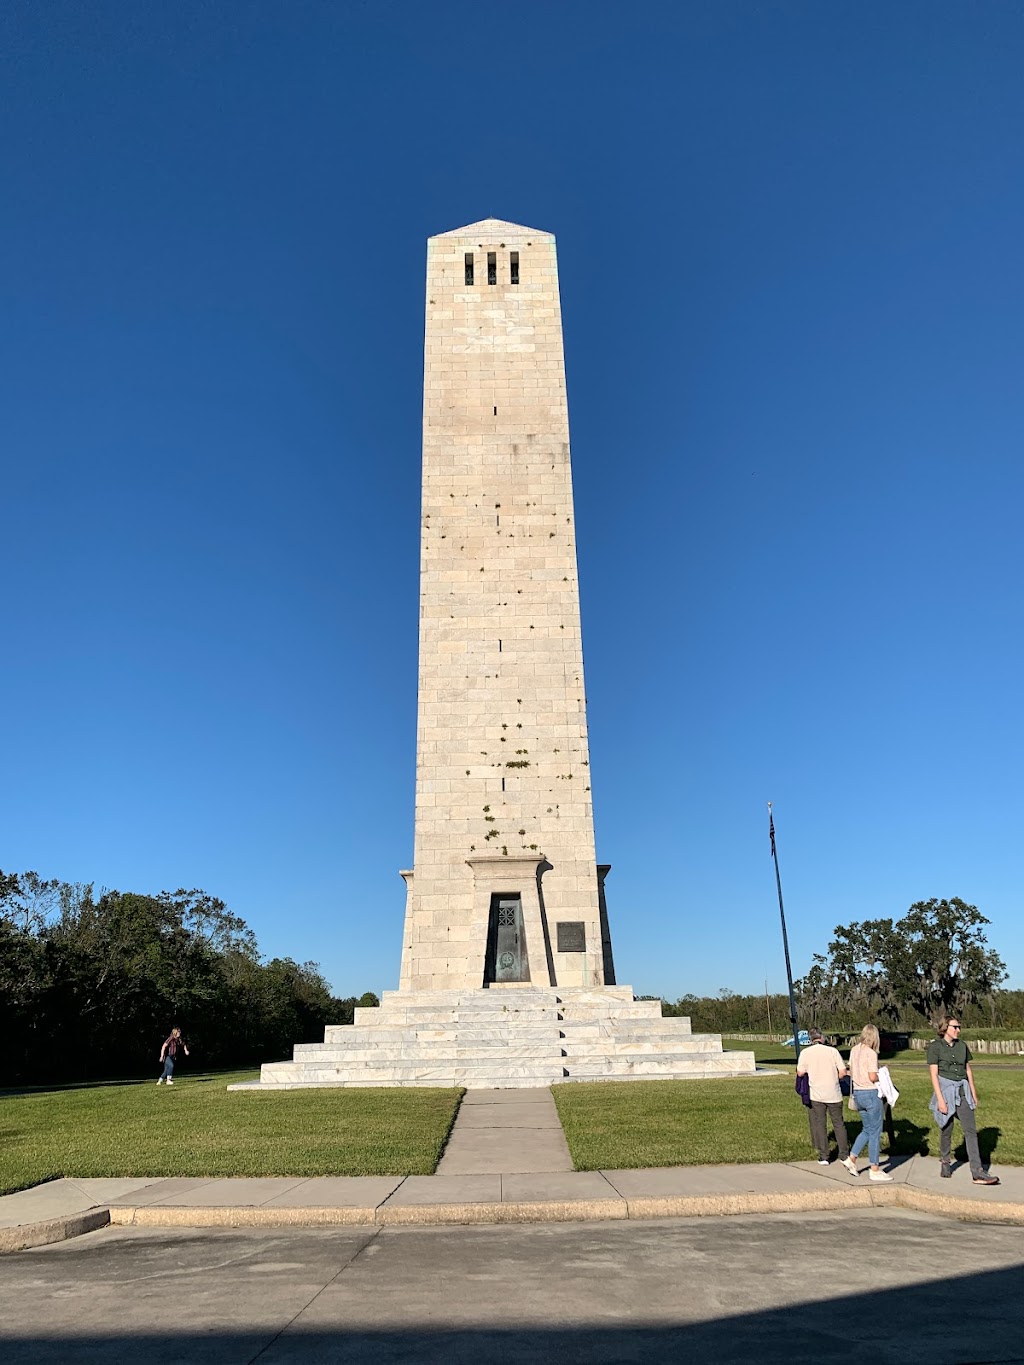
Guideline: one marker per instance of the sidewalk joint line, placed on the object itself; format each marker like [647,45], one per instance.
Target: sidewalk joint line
[335,1277]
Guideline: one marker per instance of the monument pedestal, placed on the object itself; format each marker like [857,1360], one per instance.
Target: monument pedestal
[505,1037]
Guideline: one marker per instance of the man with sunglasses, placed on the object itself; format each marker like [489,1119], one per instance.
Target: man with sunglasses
[949,1062]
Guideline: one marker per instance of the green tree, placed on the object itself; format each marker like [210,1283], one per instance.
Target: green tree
[934,960]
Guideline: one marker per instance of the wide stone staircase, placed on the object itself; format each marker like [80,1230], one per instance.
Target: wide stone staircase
[505,1037]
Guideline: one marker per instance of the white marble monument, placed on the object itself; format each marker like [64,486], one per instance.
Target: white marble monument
[507,974]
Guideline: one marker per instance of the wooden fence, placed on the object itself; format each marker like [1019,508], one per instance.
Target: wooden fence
[1004,1046]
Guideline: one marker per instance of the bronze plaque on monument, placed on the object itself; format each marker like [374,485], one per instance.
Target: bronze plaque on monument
[572,936]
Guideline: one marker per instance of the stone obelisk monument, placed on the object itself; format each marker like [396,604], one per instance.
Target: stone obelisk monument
[504,864]
[507,975]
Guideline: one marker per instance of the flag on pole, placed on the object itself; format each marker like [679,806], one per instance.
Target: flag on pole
[771,829]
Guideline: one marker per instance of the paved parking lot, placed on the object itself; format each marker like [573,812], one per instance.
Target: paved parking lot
[902,1286]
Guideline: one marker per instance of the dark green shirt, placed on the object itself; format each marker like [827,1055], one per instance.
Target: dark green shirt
[951,1058]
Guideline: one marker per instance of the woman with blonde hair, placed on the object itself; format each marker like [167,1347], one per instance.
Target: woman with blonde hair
[864,1074]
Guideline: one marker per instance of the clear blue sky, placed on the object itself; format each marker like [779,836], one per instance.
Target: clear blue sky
[790,243]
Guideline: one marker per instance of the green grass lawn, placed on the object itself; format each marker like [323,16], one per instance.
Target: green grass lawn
[199,1129]
[619,1124]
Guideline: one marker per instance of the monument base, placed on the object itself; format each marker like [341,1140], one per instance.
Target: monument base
[500,1038]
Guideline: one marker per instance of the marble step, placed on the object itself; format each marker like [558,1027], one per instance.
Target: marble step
[706,1064]
[436,1074]
[629,1047]
[344,1035]
[469,1058]
[510,1043]
[639,1009]
[478,1083]
[395,1017]
[490,993]
[332,1056]
[626,1028]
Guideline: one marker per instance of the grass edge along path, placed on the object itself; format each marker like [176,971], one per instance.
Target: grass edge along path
[197,1128]
[614,1125]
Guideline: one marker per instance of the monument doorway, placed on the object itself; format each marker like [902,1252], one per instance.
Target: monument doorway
[507,958]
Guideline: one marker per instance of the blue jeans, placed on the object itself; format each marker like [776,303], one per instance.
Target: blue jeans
[168,1068]
[872,1110]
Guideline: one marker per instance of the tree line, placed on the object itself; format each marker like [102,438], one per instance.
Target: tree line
[90,985]
[899,974]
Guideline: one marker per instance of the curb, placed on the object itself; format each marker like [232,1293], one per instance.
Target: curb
[528,1211]
[246,1216]
[579,1210]
[53,1230]
[532,1211]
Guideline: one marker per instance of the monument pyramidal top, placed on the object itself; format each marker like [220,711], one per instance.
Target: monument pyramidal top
[489,228]
[507,974]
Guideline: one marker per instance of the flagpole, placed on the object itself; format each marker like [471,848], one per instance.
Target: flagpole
[785,936]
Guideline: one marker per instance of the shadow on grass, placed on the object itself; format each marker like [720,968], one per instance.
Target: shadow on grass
[907,1138]
[988,1141]
[62,1087]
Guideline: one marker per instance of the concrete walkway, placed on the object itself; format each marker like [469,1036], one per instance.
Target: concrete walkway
[506,1132]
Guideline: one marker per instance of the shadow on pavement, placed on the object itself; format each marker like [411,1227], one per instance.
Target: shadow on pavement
[909,1324]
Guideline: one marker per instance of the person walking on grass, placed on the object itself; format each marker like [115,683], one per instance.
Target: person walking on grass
[954,1095]
[824,1068]
[864,1073]
[168,1053]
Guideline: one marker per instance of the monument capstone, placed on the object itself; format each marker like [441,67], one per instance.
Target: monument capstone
[507,975]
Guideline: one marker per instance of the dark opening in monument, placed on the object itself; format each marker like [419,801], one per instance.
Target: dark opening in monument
[492,267]
[507,958]
[469,267]
[513,261]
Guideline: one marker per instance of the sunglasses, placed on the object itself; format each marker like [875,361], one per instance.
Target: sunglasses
[956,1026]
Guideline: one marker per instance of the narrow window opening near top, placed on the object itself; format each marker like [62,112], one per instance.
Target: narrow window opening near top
[469,267]
[513,260]
[492,267]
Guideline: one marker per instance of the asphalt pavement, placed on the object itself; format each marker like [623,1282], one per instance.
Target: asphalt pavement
[885,1285]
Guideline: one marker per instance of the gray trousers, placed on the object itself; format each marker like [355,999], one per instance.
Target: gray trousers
[965,1114]
[819,1132]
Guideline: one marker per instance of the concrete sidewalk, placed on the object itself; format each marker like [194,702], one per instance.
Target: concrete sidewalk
[66,1208]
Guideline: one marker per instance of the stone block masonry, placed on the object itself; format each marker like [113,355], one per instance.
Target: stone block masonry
[503,787]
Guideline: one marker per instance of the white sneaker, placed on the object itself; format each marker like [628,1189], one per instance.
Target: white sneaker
[851,1165]
[169,1081]
[880,1175]
[160,1081]
[822,1160]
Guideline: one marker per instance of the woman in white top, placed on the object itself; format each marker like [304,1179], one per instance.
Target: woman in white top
[864,1074]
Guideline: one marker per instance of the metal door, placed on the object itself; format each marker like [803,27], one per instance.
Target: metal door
[509,960]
